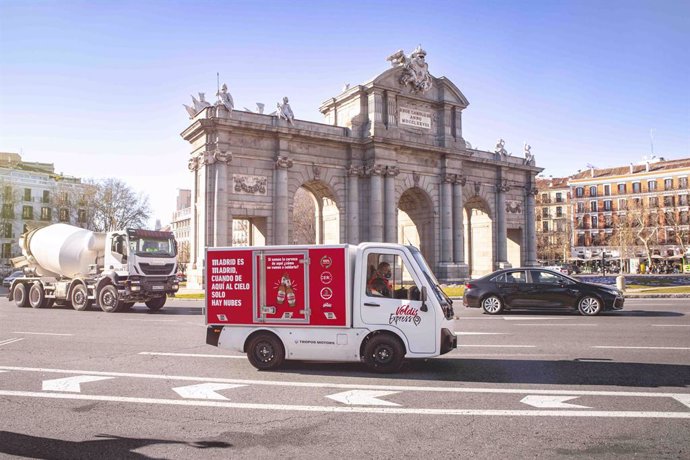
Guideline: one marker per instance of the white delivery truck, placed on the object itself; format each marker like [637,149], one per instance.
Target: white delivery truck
[68,264]
[327,303]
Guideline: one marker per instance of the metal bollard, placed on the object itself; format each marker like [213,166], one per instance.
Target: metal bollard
[620,282]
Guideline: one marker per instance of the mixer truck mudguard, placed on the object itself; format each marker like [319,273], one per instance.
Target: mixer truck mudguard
[71,265]
[374,302]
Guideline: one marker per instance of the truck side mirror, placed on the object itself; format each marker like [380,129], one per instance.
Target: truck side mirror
[423,299]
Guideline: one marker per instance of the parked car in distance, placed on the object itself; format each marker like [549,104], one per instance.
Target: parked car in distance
[181,277]
[7,281]
[539,288]
[564,269]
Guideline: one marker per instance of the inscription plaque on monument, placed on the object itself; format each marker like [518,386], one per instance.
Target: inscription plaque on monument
[415,118]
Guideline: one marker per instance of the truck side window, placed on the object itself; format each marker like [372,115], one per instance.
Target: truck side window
[388,276]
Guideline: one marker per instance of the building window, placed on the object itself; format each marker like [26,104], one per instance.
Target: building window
[64,215]
[608,222]
[637,188]
[559,197]
[559,211]
[653,201]
[607,190]
[682,182]
[593,190]
[46,196]
[545,213]
[8,211]
[579,192]
[81,216]
[668,201]
[621,189]
[7,192]
[544,197]
[668,184]
[595,222]
[7,230]
[651,185]
[6,250]
[682,200]
[581,239]
[545,226]
[593,206]
[28,212]
[27,194]
[684,219]
[622,204]
[46,213]
[580,206]
[608,205]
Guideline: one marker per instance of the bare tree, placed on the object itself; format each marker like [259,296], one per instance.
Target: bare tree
[642,221]
[677,221]
[183,255]
[304,218]
[115,206]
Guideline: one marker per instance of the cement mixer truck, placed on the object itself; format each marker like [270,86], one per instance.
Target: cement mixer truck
[78,267]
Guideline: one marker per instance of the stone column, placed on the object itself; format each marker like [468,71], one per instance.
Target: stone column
[530,227]
[458,224]
[375,173]
[501,226]
[390,207]
[222,223]
[280,200]
[447,218]
[353,174]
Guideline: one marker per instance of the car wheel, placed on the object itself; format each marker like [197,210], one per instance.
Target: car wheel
[108,299]
[383,353]
[589,306]
[20,296]
[80,300]
[492,305]
[156,303]
[265,351]
[37,295]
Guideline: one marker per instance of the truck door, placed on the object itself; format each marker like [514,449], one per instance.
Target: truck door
[283,287]
[391,297]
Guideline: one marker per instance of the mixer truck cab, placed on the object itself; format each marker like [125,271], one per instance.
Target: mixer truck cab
[323,303]
[75,266]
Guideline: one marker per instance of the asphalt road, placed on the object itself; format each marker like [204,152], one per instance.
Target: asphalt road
[145,385]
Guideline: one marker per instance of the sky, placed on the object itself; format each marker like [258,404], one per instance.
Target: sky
[97,87]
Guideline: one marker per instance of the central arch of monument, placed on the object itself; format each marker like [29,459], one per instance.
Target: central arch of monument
[392,143]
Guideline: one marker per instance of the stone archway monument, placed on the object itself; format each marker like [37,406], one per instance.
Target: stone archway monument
[396,136]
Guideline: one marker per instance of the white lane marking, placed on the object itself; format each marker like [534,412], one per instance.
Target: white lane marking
[497,346]
[9,341]
[345,386]
[685,399]
[192,355]
[205,390]
[551,402]
[353,409]
[70,384]
[556,325]
[641,348]
[671,325]
[480,333]
[363,398]
[40,333]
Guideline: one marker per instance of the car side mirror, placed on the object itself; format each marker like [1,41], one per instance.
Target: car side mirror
[423,299]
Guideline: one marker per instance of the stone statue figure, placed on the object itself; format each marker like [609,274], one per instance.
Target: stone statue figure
[501,148]
[415,69]
[284,111]
[529,157]
[197,105]
[224,98]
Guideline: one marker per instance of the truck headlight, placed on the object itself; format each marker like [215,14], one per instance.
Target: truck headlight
[136,288]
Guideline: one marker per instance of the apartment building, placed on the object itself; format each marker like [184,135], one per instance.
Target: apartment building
[631,213]
[554,229]
[32,194]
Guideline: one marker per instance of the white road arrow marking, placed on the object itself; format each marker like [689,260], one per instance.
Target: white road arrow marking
[71,384]
[363,398]
[551,402]
[685,399]
[205,390]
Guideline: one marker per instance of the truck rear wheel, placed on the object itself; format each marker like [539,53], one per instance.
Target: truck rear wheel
[80,298]
[20,296]
[383,353]
[265,351]
[37,295]
[108,298]
[156,303]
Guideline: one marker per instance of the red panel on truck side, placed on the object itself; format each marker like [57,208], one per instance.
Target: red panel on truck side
[229,289]
[327,286]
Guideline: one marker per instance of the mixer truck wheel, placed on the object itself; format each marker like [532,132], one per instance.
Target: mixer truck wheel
[108,299]
[21,297]
[156,303]
[80,298]
[37,295]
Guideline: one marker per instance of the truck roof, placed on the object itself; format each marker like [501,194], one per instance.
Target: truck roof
[142,233]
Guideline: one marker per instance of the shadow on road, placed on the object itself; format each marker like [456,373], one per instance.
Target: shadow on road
[108,446]
[584,371]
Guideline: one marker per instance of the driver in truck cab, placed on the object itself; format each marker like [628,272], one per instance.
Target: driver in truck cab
[379,283]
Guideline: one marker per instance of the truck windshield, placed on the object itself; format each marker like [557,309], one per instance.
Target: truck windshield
[442,297]
[153,247]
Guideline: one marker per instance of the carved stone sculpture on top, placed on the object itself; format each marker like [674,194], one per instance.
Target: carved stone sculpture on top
[529,157]
[225,98]
[415,69]
[500,149]
[197,105]
[284,111]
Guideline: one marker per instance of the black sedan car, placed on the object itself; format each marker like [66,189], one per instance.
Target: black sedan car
[536,288]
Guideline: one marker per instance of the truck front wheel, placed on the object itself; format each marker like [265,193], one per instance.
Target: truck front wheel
[37,295]
[383,353]
[156,303]
[21,297]
[108,298]
[80,298]
[265,351]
